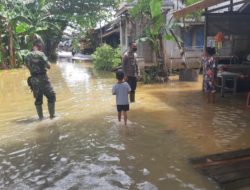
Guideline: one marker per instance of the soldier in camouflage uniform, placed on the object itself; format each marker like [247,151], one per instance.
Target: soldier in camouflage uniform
[37,63]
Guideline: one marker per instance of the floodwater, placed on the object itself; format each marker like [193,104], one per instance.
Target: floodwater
[86,148]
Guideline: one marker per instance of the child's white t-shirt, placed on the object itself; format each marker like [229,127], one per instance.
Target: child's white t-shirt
[121,90]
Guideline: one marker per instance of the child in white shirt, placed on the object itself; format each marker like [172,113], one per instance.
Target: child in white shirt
[121,89]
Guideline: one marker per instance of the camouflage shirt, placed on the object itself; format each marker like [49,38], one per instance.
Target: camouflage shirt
[37,63]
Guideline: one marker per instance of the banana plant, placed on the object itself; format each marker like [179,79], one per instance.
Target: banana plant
[10,17]
[156,27]
[14,22]
[22,21]
[150,10]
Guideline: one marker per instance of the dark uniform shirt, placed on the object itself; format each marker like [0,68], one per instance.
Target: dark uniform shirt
[129,65]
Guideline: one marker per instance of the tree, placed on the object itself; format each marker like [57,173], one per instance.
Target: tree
[148,13]
[21,21]
[10,19]
[190,2]
[84,12]
[155,27]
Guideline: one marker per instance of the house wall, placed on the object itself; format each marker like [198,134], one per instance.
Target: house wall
[193,39]
[123,35]
[131,31]
[236,30]
[113,40]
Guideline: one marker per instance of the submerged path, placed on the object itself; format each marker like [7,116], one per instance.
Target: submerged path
[86,148]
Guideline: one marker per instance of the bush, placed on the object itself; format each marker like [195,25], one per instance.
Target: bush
[153,74]
[106,57]
[149,75]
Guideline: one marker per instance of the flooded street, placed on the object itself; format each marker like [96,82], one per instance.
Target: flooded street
[86,148]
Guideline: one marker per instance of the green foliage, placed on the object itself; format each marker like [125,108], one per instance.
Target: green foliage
[155,8]
[149,75]
[155,26]
[195,15]
[1,57]
[84,12]
[105,58]
[20,56]
[190,2]
[22,27]
[76,44]
[22,21]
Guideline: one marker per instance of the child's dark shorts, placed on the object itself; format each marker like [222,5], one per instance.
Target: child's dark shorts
[122,108]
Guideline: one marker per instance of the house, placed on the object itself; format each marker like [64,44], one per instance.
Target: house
[192,35]
[130,30]
[109,33]
[229,20]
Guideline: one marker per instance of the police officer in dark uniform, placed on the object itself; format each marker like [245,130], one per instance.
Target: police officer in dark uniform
[37,63]
[131,69]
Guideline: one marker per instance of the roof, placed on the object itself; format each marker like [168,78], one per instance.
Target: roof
[195,7]
[124,7]
[204,4]
[116,30]
[245,8]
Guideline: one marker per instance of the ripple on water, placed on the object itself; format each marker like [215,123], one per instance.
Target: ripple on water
[106,158]
[117,147]
[145,171]
[93,176]
[100,183]
[18,186]
[146,186]
[228,126]
[120,179]
[170,176]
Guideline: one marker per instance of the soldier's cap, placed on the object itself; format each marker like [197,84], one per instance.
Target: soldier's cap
[38,42]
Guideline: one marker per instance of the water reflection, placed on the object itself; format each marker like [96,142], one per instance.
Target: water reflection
[74,75]
[86,148]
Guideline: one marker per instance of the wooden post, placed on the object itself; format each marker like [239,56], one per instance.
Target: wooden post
[101,32]
[248,100]
[205,45]
[230,25]
[11,47]
[231,6]
[205,30]
[2,51]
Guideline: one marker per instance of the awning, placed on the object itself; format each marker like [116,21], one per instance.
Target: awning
[196,7]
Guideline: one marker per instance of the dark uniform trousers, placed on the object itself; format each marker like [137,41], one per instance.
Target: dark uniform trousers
[41,86]
[132,81]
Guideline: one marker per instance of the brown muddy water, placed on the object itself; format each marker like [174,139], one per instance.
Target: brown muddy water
[86,148]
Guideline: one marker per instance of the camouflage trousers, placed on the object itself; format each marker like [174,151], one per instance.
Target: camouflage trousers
[41,87]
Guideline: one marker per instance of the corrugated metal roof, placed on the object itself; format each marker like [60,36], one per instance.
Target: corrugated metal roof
[210,4]
[124,7]
[197,6]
